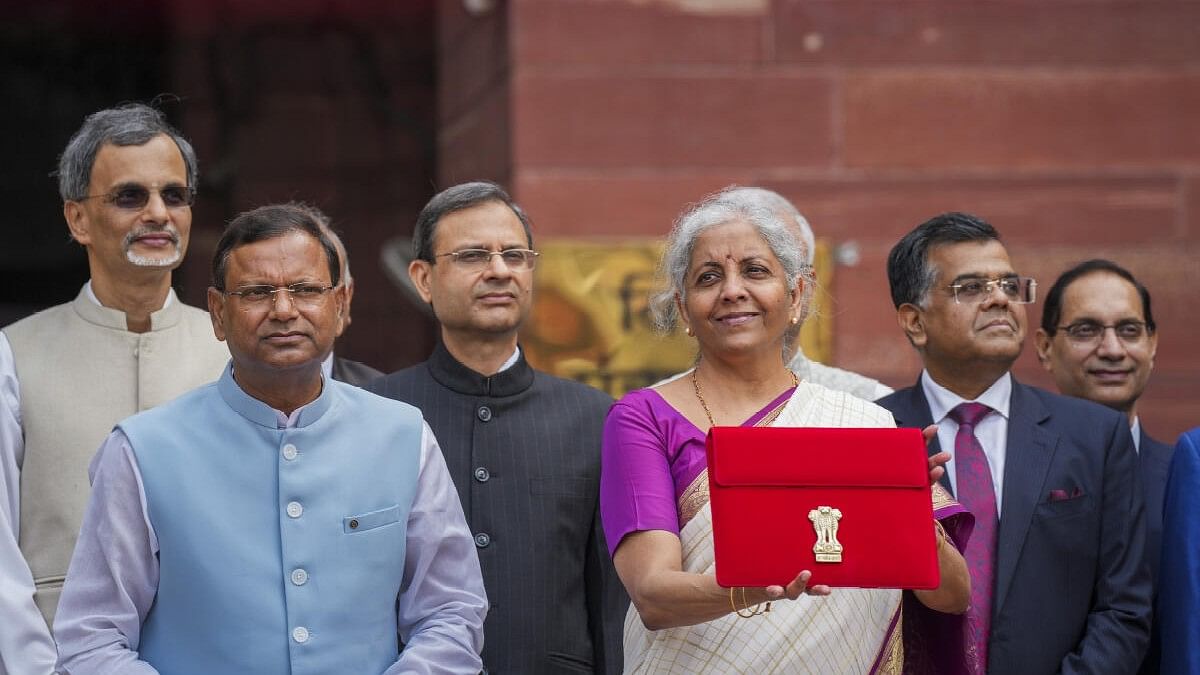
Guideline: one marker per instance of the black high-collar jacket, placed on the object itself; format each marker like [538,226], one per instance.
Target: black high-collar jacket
[523,448]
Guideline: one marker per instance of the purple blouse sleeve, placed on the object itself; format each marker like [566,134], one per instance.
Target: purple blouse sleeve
[636,488]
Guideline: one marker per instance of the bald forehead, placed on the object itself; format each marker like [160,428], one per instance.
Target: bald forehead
[1103,297]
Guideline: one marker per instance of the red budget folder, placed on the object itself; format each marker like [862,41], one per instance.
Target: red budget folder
[851,505]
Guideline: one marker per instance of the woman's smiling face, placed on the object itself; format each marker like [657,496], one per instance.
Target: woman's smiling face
[737,296]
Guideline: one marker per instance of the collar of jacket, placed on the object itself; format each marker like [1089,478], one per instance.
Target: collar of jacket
[452,374]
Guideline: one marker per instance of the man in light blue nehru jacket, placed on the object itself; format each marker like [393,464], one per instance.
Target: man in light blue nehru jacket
[274,521]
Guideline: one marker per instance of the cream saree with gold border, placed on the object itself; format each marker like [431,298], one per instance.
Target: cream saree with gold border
[850,631]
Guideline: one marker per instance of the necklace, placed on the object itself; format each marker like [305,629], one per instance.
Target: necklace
[704,404]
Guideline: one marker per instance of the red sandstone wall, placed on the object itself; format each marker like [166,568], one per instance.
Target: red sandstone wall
[1073,126]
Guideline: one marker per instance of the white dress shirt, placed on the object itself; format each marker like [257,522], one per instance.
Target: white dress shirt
[511,361]
[26,647]
[114,571]
[992,431]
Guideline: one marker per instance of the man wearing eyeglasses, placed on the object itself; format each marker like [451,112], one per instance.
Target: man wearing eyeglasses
[338,367]
[1098,340]
[523,446]
[67,374]
[1058,578]
[274,521]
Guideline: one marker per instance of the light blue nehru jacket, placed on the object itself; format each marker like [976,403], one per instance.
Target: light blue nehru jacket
[280,550]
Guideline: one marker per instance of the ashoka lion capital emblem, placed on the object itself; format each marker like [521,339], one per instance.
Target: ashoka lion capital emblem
[825,522]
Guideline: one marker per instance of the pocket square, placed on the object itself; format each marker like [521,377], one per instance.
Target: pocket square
[1061,495]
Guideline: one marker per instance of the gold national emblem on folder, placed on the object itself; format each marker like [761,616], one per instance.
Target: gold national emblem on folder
[825,522]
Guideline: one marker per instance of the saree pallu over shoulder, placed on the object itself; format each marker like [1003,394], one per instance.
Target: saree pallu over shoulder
[850,631]
[695,496]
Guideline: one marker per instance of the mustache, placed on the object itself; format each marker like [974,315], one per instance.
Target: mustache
[1002,315]
[143,230]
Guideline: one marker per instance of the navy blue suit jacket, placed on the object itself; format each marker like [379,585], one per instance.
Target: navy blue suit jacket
[1179,574]
[1154,459]
[1072,591]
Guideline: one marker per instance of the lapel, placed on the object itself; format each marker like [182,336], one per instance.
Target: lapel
[912,410]
[1027,459]
[1154,459]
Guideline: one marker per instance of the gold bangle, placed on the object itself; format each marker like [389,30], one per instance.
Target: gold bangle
[746,611]
[939,533]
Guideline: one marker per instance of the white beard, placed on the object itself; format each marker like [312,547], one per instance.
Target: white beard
[145,261]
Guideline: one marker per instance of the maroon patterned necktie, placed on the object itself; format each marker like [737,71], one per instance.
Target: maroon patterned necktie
[976,493]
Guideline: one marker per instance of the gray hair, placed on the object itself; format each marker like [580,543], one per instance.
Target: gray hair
[714,210]
[327,226]
[757,196]
[125,125]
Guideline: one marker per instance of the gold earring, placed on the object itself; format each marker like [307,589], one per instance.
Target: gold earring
[795,320]
[688,330]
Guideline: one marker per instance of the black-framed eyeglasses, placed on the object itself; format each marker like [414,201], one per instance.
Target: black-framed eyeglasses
[301,293]
[1020,290]
[133,197]
[478,258]
[1091,332]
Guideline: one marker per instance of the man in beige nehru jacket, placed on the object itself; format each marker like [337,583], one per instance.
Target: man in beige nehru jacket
[68,374]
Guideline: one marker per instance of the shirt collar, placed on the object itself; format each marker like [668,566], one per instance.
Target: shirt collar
[1136,430]
[327,367]
[514,377]
[511,361]
[942,400]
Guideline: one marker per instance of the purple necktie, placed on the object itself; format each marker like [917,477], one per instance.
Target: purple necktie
[975,492]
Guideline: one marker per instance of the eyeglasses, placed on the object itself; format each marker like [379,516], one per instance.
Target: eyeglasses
[1090,332]
[1020,290]
[478,258]
[134,197]
[302,293]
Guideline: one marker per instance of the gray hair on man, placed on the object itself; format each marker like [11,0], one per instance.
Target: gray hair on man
[726,206]
[125,125]
[762,197]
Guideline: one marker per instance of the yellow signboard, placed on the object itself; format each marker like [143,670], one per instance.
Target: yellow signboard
[591,321]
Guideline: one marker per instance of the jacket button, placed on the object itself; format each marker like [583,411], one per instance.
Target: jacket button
[299,576]
[482,475]
[300,634]
[483,540]
[294,509]
[485,413]
[289,452]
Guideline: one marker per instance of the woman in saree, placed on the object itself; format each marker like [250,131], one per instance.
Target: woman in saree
[736,282]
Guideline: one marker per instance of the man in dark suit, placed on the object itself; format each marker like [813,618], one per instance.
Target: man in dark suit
[337,367]
[523,446]
[1059,583]
[1098,339]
